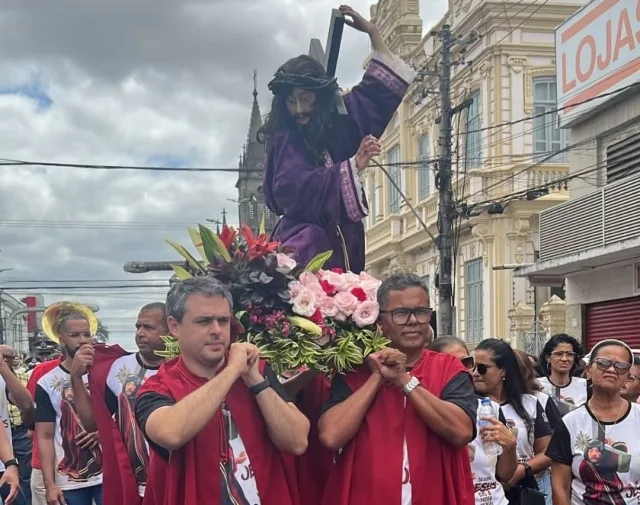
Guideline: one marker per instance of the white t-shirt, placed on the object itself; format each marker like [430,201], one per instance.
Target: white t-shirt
[125,377]
[567,397]
[526,437]
[604,458]
[488,490]
[75,468]
[4,415]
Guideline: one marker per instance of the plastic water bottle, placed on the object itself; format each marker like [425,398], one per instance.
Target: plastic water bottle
[486,410]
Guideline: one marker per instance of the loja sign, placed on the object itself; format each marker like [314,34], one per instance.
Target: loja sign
[597,52]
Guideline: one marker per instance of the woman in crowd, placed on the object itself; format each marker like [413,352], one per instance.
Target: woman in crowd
[595,448]
[498,376]
[488,471]
[550,409]
[559,359]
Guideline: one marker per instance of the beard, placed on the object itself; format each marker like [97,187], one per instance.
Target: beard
[70,352]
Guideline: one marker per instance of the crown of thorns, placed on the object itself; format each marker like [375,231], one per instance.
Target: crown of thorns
[285,81]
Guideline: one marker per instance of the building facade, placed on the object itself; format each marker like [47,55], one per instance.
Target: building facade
[507,74]
[593,240]
[251,205]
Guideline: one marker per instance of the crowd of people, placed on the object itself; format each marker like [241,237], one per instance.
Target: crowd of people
[410,426]
[423,421]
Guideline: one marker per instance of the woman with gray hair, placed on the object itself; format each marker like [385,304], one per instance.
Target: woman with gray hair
[595,448]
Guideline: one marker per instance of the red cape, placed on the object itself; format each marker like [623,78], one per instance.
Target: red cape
[120,486]
[192,475]
[315,465]
[369,469]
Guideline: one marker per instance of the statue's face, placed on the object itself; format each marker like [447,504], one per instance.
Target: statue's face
[301,103]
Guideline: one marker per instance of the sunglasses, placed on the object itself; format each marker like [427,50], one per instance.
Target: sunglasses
[619,366]
[482,369]
[468,362]
[564,354]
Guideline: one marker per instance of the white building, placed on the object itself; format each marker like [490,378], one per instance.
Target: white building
[507,74]
[593,240]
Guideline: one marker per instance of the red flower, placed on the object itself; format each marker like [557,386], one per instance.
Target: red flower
[359,294]
[227,236]
[258,246]
[328,288]
[337,270]
[317,317]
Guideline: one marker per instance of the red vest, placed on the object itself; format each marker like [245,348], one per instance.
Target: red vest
[369,469]
[192,474]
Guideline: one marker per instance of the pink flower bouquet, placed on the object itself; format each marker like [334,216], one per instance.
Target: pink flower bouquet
[298,316]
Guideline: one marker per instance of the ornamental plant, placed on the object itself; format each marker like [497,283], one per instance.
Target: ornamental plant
[297,315]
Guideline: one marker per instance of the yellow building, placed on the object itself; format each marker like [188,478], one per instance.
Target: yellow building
[509,74]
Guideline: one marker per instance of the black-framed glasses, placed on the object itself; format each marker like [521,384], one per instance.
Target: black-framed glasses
[483,368]
[619,366]
[402,315]
[564,354]
[468,362]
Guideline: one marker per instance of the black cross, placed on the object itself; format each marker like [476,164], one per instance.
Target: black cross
[329,59]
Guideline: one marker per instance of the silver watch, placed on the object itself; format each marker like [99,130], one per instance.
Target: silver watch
[410,386]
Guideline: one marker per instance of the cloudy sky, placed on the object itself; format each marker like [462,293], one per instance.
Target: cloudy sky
[149,82]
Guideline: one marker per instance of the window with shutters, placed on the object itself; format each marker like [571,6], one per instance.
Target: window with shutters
[473,138]
[474,306]
[547,137]
[394,170]
[251,210]
[423,168]
[623,158]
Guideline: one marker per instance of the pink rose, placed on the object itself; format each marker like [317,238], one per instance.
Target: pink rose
[285,263]
[295,287]
[350,281]
[311,282]
[346,302]
[328,307]
[333,278]
[366,314]
[305,303]
[370,287]
[364,276]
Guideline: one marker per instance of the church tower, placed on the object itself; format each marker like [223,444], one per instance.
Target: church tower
[251,206]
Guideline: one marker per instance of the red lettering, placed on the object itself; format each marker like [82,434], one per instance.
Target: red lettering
[624,24]
[567,86]
[602,64]
[588,40]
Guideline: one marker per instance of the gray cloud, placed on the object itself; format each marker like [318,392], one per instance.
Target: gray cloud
[132,83]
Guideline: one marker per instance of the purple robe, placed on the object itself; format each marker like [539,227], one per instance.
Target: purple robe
[320,206]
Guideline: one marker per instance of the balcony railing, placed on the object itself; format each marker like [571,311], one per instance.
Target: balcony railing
[608,215]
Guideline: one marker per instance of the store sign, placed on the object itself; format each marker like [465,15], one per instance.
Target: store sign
[597,52]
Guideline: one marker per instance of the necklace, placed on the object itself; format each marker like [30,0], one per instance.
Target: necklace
[618,417]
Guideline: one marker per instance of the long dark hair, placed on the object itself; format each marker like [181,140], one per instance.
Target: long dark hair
[528,372]
[550,346]
[514,383]
[315,133]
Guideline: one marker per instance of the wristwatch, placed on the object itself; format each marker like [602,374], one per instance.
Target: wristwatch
[11,462]
[410,386]
[260,387]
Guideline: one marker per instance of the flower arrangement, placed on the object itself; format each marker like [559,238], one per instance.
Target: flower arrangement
[296,315]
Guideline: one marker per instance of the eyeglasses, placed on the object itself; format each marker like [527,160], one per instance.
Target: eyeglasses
[468,362]
[482,368]
[402,316]
[564,354]
[619,366]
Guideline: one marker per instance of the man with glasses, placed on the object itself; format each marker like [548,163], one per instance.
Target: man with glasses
[631,389]
[402,421]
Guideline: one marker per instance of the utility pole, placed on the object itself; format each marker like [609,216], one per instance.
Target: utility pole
[445,210]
